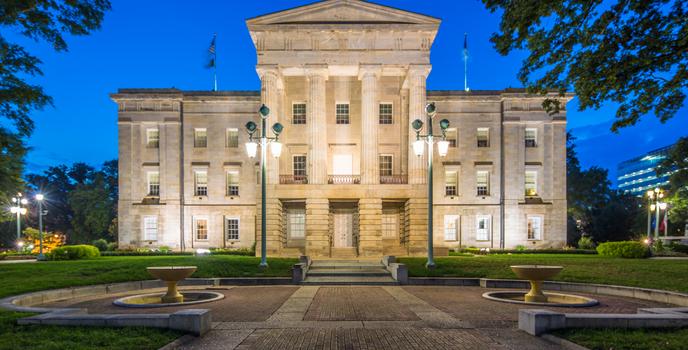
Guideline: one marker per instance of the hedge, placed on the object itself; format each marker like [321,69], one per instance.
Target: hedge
[244,252]
[74,252]
[525,251]
[624,249]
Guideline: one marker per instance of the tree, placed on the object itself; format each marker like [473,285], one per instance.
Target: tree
[92,206]
[676,162]
[38,20]
[594,208]
[632,52]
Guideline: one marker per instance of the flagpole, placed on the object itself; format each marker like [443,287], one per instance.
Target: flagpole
[215,62]
[465,61]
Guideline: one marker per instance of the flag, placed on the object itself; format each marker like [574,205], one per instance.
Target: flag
[465,46]
[211,54]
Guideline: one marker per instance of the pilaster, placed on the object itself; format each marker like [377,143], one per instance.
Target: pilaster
[317,227]
[370,226]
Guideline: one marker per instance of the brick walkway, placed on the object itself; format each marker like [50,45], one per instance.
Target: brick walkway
[362,317]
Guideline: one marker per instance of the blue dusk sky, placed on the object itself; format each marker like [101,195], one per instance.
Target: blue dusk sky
[159,44]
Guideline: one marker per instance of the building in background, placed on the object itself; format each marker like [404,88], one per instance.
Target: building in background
[345,78]
[637,175]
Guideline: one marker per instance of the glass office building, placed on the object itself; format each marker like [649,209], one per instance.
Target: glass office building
[637,175]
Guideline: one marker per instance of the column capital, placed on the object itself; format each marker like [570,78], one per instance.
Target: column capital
[265,70]
[419,69]
[319,70]
[368,70]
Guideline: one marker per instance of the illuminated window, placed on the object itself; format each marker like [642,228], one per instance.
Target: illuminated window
[201,228]
[482,181]
[232,138]
[451,227]
[200,138]
[535,227]
[296,223]
[451,183]
[232,183]
[201,182]
[531,183]
[482,228]
[483,137]
[153,183]
[531,137]
[299,166]
[232,229]
[385,165]
[152,138]
[452,137]
[390,225]
[150,228]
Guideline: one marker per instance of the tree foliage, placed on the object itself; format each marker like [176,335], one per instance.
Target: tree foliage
[676,162]
[632,52]
[39,20]
[594,208]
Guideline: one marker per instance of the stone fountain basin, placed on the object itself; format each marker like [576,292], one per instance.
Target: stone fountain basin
[553,299]
[171,273]
[153,300]
[536,272]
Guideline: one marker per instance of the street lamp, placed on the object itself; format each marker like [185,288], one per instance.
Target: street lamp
[654,197]
[418,149]
[276,150]
[19,210]
[39,199]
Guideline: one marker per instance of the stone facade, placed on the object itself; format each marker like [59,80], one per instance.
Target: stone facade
[345,78]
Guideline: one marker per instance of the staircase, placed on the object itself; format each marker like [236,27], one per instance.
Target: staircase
[348,272]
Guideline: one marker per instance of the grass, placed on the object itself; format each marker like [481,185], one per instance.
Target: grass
[659,274]
[29,277]
[627,339]
[13,336]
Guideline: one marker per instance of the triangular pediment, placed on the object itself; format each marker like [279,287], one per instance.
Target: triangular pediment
[342,12]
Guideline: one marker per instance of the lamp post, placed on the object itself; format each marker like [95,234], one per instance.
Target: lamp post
[276,150]
[654,197]
[419,149]
[39,199]
[19,210]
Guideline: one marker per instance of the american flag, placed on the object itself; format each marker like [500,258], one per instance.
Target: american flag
[211,53]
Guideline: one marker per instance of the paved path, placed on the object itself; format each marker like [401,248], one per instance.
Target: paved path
[18,261]
[361,317]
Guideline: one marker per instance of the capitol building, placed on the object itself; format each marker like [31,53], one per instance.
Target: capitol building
[346,78]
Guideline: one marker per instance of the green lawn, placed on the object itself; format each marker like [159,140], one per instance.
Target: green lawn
[660,274]
[627,339]
[13,336]
[28,277]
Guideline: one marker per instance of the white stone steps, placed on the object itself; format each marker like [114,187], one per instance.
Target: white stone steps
[348,272]
[351,280]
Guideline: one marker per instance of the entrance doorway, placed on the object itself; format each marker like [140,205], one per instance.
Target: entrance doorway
[343,234]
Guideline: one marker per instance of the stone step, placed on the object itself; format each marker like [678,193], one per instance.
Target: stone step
[351,281]
[347,272]
[345,265]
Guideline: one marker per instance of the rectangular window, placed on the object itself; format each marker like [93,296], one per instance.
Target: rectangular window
[451,227]
[531,137]
[200,138]
[150,228]
[534,227]
[451,183]
[482,228]
[232,229]
[483,137]
[342,113]
[232,138]
[201,182]
[390,225]
[201,228]
[482,182]
[531,183]
[296,223]
[386,165]
[452,137]
[299,167]
[232,183]
[152,138]
[153,183]
[298,113]
[386,113]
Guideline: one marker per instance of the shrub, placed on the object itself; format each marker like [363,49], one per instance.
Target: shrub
[112,246]
[586,242]
[624,249]
[520,248]
[101,244]
[678,247]
[74,252]
[526,251]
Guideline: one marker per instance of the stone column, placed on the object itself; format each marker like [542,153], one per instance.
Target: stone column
[270,81]
[317,125]
[369,74]
[417,74]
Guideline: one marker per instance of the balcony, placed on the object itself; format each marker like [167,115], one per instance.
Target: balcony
[393,179]
[293,179]
[343,179]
